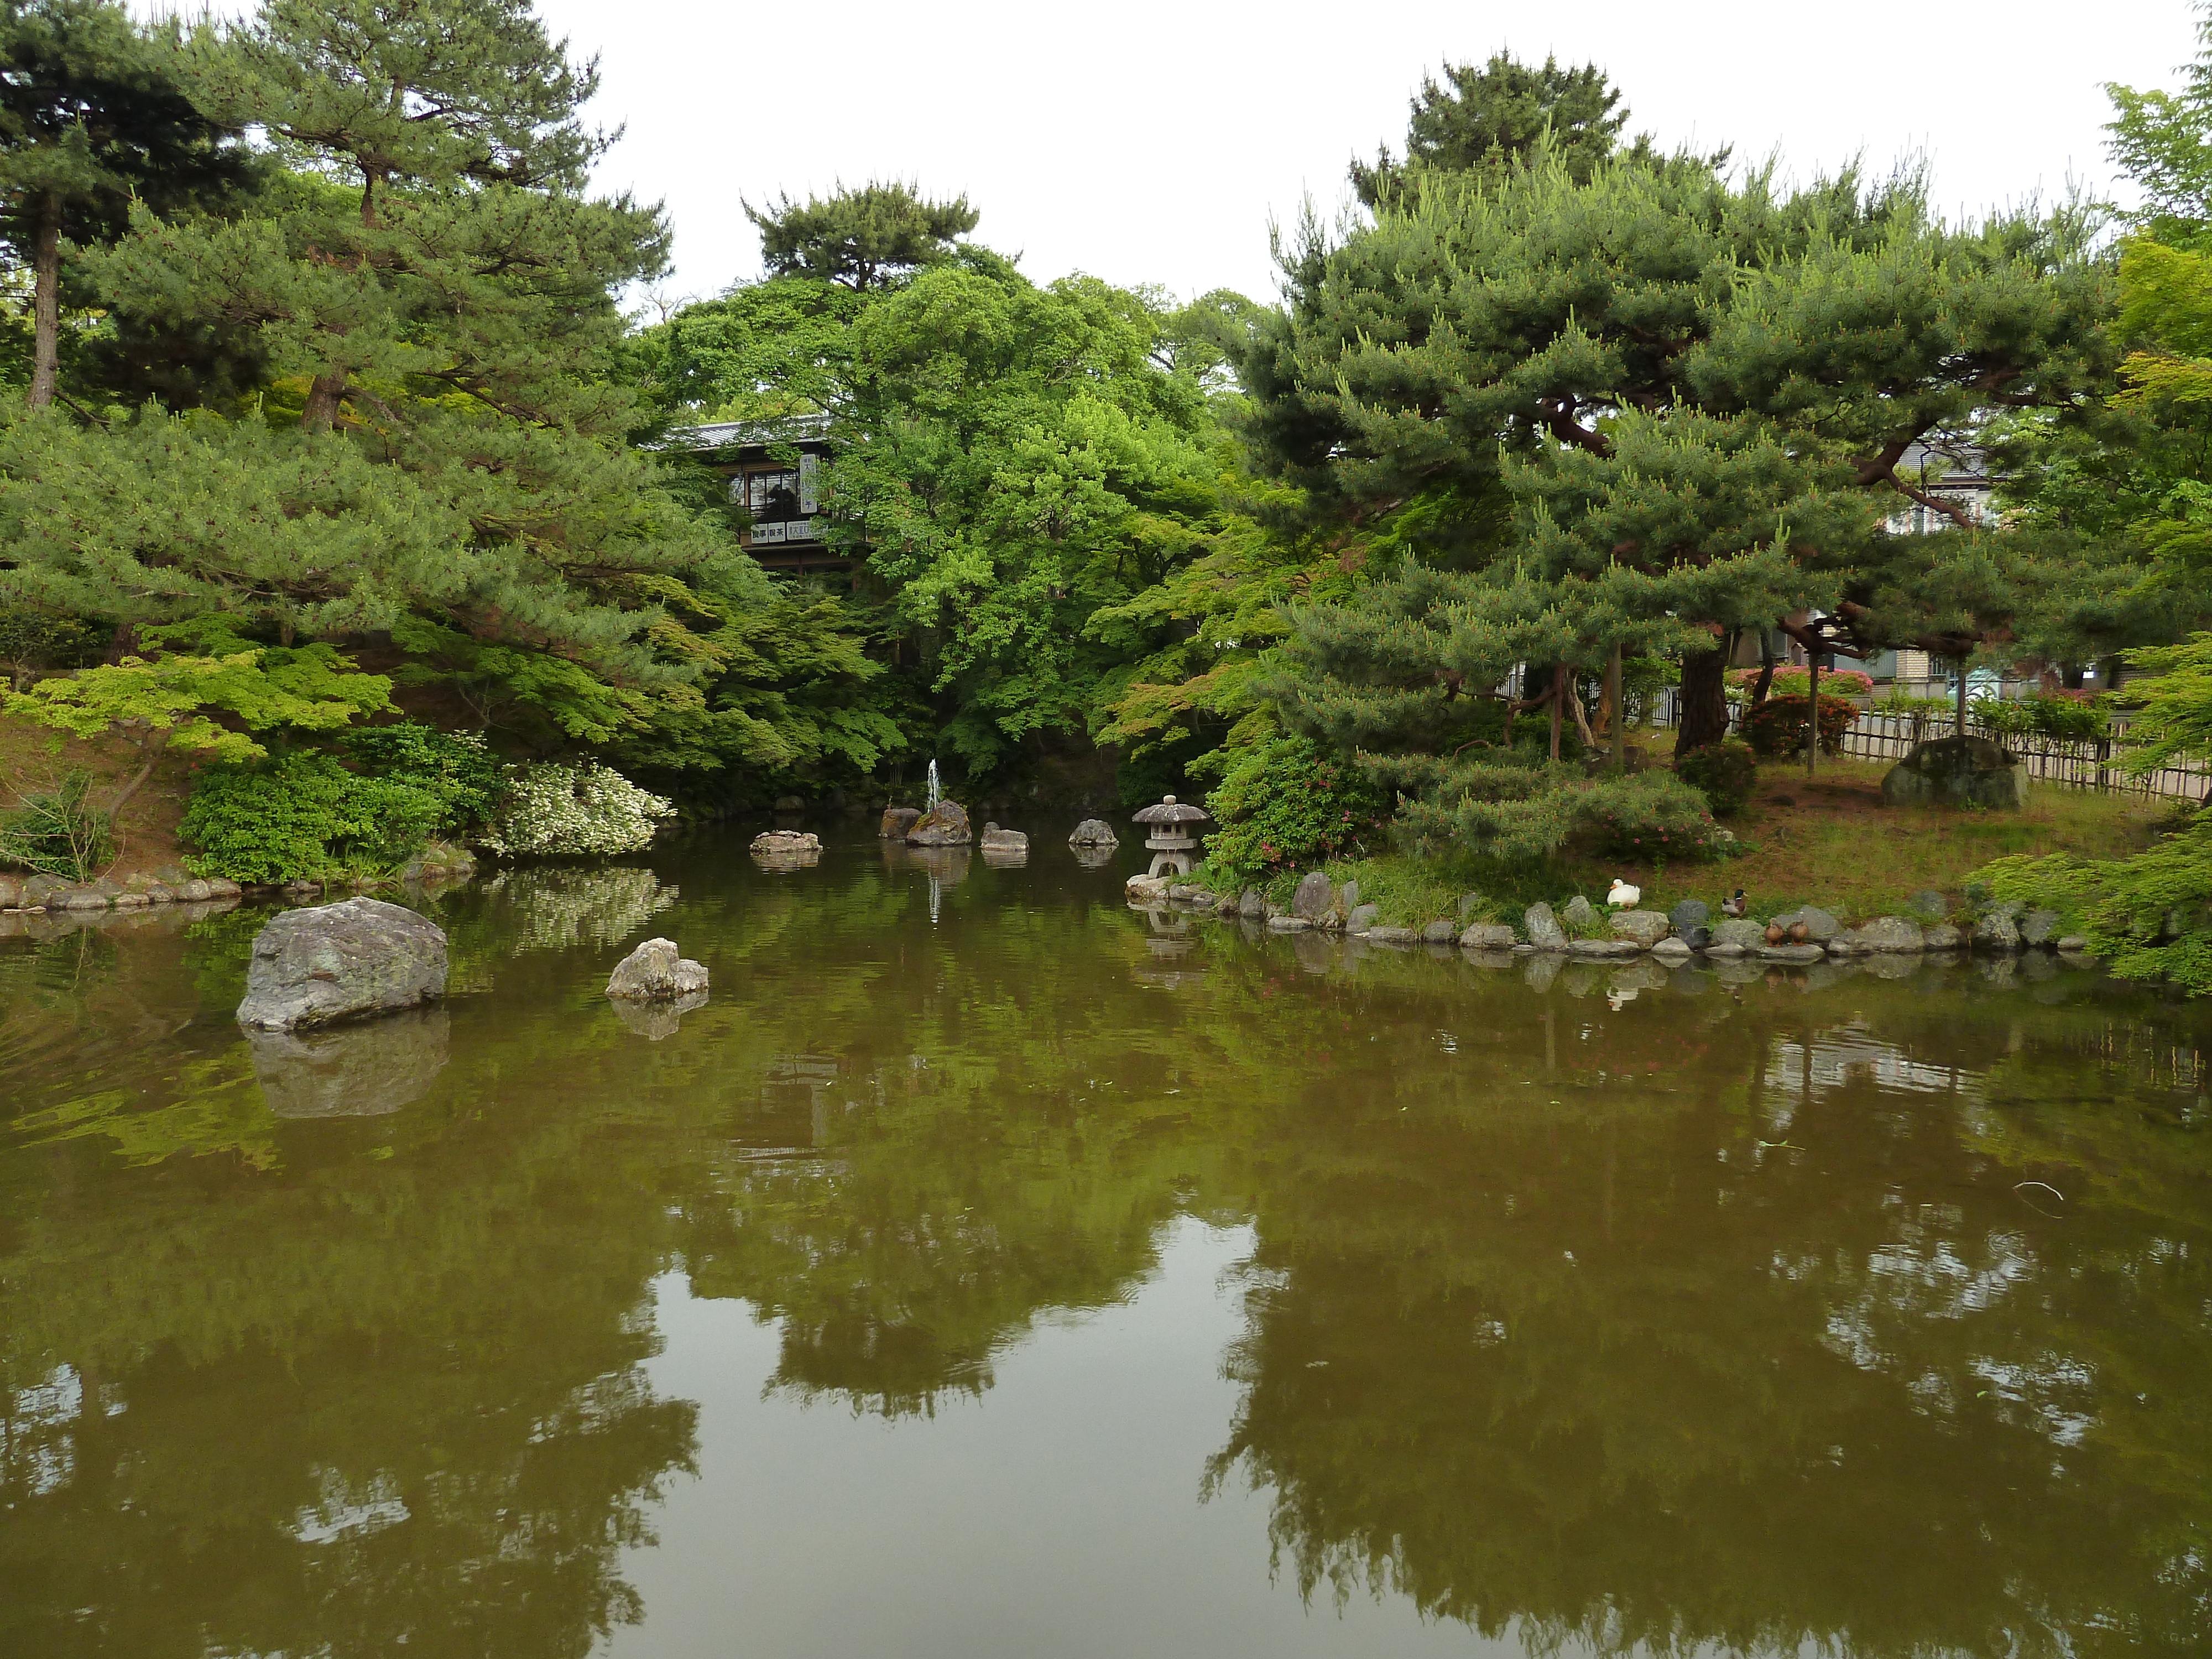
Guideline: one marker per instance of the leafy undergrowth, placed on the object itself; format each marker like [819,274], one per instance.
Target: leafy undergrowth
[1829,842]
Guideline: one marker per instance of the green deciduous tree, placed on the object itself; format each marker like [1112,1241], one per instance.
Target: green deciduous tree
[180,701]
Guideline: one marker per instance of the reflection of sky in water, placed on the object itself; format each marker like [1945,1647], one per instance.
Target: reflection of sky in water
[1053,1516]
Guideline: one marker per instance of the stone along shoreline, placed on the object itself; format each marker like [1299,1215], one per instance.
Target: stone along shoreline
[1581,929]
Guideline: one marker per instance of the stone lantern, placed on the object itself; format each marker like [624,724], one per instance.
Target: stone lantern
[1170,842]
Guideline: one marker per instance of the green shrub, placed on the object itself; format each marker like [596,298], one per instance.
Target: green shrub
[1776,729]
[305,816]
[1656,815]
[1285,805]
[1725,773]
[455,766]
[59,831]
[2065,716]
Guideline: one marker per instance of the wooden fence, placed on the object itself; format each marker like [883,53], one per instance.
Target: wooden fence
[2098,763]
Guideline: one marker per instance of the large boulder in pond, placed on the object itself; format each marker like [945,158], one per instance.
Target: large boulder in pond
[897,820]
[1094,832]
[1957,772]
[335,961]
[654,972]
[945,824]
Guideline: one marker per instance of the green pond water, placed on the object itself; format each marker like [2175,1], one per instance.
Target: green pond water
[987,1269]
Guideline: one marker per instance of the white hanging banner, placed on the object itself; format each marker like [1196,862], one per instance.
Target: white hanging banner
[807,466]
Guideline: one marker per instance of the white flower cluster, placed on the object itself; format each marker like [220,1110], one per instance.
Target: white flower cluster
[553,810]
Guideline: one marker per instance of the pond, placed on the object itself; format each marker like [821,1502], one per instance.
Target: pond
[989,1269]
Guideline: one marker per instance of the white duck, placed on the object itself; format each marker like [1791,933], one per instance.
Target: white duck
[1622,896]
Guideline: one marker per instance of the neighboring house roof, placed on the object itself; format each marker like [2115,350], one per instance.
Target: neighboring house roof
[726,434]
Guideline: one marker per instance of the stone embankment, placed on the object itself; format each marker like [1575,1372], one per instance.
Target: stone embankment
[51,894]
[1580,930]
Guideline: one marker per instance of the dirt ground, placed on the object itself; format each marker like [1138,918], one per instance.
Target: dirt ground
[33,758]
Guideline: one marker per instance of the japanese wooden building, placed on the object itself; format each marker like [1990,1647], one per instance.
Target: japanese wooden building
[775,471]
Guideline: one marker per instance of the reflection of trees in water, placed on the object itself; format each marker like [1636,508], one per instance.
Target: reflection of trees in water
[914,1221]
[1609,1376]
[558,906]
[299,1409]
[1538,1332]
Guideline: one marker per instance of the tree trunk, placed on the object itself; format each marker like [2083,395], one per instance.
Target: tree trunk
[1766,668]
[321,413]
[47,304]
[1559,701]
[1705,701]
[1616,711]
[1813,716]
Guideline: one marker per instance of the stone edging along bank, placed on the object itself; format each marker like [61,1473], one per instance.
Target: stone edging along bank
[1582,930]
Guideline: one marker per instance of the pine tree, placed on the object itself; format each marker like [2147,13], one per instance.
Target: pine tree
[860,239]
[1493,116]
[92,117]
[1660,371]
[433,300]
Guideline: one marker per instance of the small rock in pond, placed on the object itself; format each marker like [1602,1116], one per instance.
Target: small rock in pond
[1362,918]
[1690,913]
[1579,914]
[897,820]
[1943,937]
[1438,932]
[653,971]
[1487,936]
[1091,832]
[1252,904]
[784,843]
[945,826]
[2039,928]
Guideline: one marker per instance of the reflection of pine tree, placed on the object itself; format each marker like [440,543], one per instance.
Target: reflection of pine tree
[1627,1393]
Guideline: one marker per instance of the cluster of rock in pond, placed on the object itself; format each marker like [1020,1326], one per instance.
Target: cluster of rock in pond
[1579,929]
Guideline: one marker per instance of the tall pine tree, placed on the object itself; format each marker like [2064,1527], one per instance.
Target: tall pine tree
[92,116]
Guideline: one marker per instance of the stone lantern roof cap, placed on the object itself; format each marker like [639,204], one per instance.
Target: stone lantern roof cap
[1169,811]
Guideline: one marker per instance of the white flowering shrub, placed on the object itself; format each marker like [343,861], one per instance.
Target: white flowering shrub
[555,810]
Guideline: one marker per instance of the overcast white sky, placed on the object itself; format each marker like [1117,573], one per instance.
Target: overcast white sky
[1150,143]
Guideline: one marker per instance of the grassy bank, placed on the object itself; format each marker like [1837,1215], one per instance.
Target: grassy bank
[1830,841]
